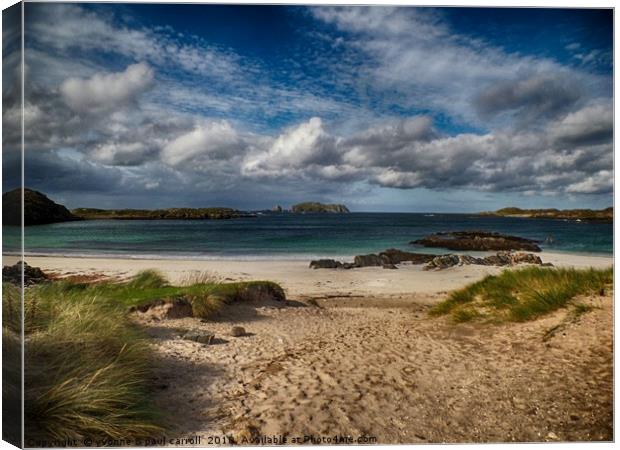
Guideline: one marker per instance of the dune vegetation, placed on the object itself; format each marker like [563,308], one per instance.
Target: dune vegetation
[520,295]
[87,364]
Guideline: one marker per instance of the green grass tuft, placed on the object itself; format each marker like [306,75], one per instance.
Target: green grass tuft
[207,296]
[148,279]
[86,366]
[87,363]
[520,295]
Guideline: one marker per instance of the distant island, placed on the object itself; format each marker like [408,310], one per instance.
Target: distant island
[603,215]
[40,209]
[316,207]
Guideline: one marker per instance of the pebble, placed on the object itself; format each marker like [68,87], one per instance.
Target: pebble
[237,331]
[202,338]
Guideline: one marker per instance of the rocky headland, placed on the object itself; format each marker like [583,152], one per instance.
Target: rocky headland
[38,209]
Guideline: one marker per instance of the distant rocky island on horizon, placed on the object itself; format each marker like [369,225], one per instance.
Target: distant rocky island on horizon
[316,207]
[40,209]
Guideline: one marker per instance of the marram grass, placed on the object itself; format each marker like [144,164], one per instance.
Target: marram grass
[87,365]
[520,295]
[86,370]
[206,295]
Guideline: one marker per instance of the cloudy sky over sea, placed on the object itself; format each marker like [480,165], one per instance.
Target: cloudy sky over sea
[383,109]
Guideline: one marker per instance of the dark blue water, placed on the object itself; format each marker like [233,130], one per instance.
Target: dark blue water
[291,235]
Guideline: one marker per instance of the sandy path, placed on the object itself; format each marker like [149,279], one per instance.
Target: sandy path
[391,373]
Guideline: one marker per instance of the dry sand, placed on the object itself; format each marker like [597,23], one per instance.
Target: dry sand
[367,361]
[390,373]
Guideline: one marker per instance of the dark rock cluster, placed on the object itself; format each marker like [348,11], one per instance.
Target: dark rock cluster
[390,259]
[499,259]
[386,259]
[477,241]
[32,275]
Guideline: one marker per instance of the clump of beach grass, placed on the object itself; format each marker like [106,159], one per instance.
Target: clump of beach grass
[200,277]
[207,296]
[86,367]
[11,364]
[521,295]
[87,364]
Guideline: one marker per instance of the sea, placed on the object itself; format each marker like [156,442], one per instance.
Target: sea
[291,236]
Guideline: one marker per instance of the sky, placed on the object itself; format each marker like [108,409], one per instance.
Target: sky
[383,109]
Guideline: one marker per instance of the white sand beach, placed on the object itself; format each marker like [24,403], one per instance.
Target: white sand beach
[297,278]
[366,360]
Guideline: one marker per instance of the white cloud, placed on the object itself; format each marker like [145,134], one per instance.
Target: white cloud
[305,144]
[209,140]
[411,58]
[106,91]
[602,181]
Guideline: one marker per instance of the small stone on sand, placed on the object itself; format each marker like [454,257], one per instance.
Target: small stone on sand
[237,331]
[202,338]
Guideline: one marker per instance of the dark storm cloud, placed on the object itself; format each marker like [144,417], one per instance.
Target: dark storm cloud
[52,171]
[531,99]
[591,125]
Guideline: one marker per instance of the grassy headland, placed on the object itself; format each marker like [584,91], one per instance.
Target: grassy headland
[520,295]
[605,215]
[158,214]
[88,364]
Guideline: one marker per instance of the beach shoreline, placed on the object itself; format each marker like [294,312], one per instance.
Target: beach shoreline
[295,276]
[356,353]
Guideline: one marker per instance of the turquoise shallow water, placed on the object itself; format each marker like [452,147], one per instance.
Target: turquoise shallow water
[291,235]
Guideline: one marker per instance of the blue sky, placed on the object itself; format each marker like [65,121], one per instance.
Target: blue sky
[384,109]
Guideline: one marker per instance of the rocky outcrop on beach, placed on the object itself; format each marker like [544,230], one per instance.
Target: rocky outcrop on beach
[387,259]
[316,207]
[390,259]
[330,264]
[500,259]
[391,256]
[477,241]
[38,209]
[32,275]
